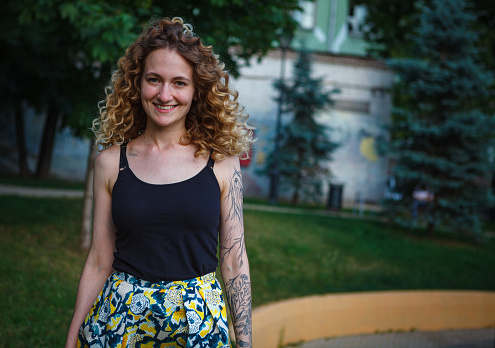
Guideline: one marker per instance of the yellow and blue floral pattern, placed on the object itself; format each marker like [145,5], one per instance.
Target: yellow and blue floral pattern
[130,312]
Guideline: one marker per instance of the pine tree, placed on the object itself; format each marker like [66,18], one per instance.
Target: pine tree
[305,145]
[441,131]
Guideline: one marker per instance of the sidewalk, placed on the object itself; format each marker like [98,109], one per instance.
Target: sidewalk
[473,338]
[39,192]
[302,211]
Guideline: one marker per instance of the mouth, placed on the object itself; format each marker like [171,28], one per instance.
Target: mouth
[165,107]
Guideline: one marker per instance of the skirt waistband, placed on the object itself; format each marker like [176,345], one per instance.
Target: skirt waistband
[203,280]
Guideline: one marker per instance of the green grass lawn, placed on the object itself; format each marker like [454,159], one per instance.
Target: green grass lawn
[290,256]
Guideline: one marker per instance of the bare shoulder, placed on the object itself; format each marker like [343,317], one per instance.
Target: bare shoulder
[108,157]
[226,170]
[107,165]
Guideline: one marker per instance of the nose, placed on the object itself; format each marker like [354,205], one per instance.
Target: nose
[165,93]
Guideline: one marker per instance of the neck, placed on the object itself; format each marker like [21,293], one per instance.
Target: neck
[163,137]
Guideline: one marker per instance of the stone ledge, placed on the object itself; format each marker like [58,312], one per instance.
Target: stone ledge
[316,317]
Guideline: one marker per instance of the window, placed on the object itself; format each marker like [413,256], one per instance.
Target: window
[355,21]
[307,18]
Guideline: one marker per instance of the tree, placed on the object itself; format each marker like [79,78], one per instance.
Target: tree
[442,127]
[52,72]
[305,144]
[69,47]
[390,23]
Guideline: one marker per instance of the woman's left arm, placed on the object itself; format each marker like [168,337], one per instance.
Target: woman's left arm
[233,257]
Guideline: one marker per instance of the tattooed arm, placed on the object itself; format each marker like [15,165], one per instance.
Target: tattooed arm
[233,258]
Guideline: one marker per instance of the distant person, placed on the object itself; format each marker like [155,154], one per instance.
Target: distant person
[422,197]
[167,191]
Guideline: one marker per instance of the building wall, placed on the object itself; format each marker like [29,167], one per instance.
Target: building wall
[361,110]
[315,36]
[70,153]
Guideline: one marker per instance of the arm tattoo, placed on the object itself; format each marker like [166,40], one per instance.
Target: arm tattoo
[235,196]
[132,154]
[238,291]
[234,199]
[238,288]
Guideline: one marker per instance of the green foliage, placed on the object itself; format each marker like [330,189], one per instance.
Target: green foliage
[390,23]
[442,130]
[53,68]
[64,50]
[238,30]
[305,146]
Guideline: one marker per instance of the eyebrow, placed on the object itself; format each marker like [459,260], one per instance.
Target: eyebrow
[179,77]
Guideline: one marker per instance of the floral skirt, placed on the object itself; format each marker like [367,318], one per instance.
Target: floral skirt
[130,312]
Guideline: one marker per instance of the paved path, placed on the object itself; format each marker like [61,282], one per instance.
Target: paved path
[297,211]
[39,192]
[475,338]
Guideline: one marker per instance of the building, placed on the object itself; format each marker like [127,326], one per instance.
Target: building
[333,31]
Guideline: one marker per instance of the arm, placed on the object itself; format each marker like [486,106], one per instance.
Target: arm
[98,266]
[233,257]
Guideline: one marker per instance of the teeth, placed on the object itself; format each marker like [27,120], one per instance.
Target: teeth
[165,107]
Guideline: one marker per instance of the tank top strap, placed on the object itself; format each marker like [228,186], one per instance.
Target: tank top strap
[123,158]
[211,161]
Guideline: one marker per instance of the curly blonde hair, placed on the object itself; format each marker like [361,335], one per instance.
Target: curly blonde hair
[215,123]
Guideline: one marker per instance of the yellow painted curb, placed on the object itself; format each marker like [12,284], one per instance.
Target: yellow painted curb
[316,317]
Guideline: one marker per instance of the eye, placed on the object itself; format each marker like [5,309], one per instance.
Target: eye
[180,83]
[153,80]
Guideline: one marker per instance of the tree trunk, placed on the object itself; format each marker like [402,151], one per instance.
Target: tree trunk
[297,185]
[430,230]
[45,156]
[87,214]
[21,141]
[295,196]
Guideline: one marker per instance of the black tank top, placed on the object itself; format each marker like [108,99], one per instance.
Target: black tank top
[166,232]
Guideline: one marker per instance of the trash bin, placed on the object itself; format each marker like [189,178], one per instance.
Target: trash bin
[335,197]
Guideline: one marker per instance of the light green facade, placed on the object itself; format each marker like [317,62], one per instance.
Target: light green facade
[307,37]
[330,32]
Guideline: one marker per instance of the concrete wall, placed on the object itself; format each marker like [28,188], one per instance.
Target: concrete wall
[318,317]
[70,154]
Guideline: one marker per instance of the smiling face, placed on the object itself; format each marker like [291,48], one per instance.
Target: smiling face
[167,89]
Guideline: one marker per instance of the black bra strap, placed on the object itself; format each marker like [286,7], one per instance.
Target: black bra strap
[211,161]
[123,158]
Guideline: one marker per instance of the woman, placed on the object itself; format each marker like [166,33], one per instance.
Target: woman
[167,190]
